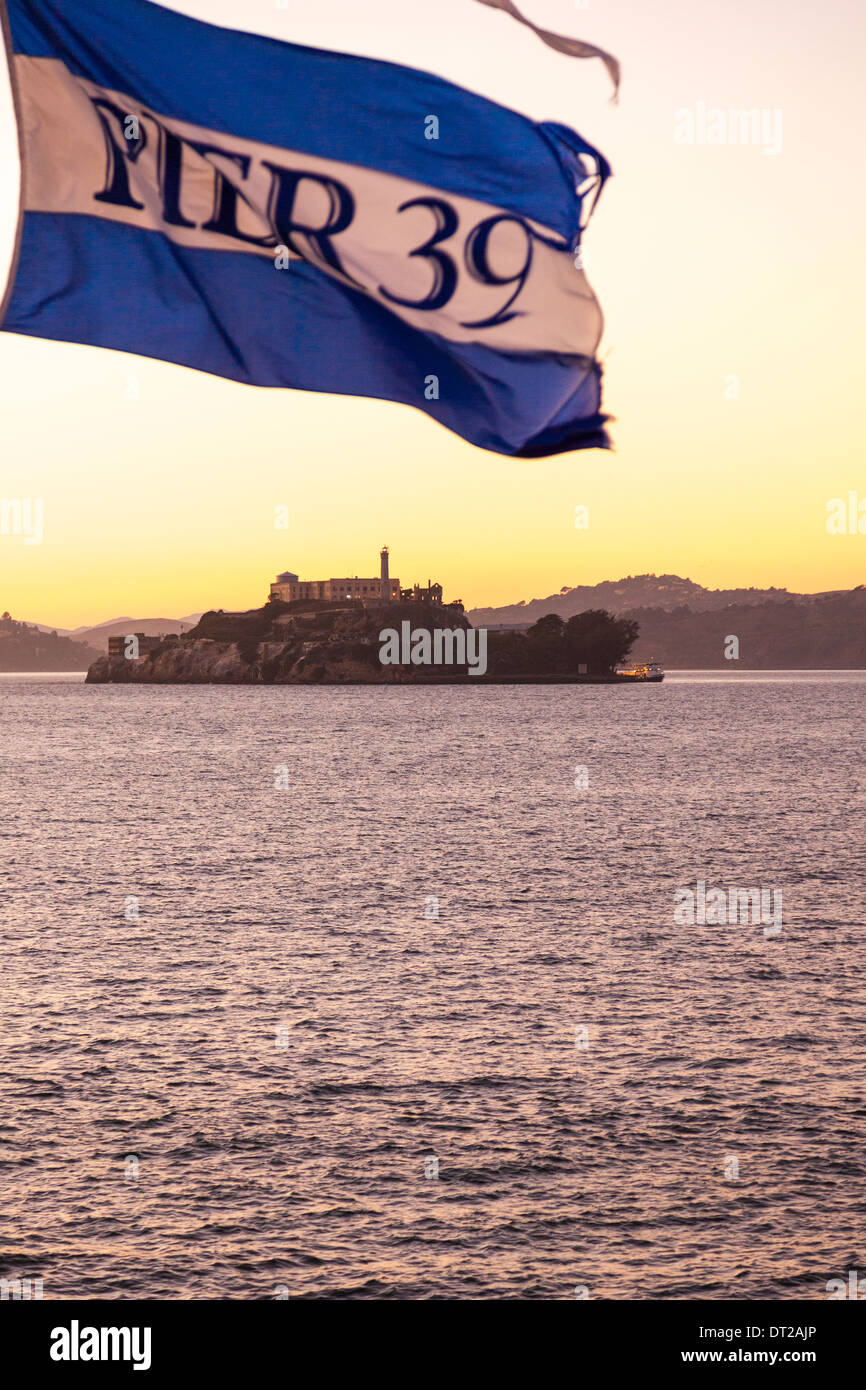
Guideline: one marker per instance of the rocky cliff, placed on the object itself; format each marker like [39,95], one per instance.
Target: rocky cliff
[300,643]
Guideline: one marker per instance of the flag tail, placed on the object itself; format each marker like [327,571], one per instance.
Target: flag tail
[573,48]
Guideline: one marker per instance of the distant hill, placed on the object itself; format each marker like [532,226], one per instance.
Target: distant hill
[683,625]
[26,647]
[91,627]
[46,627]
[619,596]
[119,627]
[819,632]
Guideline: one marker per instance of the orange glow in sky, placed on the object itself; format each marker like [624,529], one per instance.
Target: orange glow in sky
[731,281]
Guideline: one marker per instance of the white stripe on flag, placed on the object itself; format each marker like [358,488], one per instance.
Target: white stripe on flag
[74,140]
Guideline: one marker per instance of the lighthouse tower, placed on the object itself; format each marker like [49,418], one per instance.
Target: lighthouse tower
[385,582]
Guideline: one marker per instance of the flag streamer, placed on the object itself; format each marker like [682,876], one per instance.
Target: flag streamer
[574,48]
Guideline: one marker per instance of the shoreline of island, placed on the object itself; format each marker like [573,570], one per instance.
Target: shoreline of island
[407,641]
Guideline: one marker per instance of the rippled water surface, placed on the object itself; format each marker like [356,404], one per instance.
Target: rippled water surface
[287,1033]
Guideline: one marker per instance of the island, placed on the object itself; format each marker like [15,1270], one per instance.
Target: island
[365,641]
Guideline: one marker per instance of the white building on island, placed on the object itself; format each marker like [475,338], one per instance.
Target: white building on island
[288,587]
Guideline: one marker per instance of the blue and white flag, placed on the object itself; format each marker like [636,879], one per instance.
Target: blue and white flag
[287,216]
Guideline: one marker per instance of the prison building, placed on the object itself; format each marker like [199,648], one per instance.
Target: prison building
[288,587]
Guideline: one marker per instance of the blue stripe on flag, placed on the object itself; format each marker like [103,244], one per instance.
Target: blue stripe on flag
[317,335]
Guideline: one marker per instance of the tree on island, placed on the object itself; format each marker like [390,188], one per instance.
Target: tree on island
[544,644]
[594,639]
[600,640]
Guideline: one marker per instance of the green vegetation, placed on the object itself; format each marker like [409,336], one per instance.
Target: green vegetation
[595,641]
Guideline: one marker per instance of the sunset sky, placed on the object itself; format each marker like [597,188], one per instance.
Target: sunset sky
[710,262]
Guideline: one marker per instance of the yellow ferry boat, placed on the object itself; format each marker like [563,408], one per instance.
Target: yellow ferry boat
[643,671]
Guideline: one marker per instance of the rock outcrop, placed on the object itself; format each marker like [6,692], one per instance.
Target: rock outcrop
[298,643]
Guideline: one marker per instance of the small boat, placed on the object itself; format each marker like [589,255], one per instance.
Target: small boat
[643,671]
